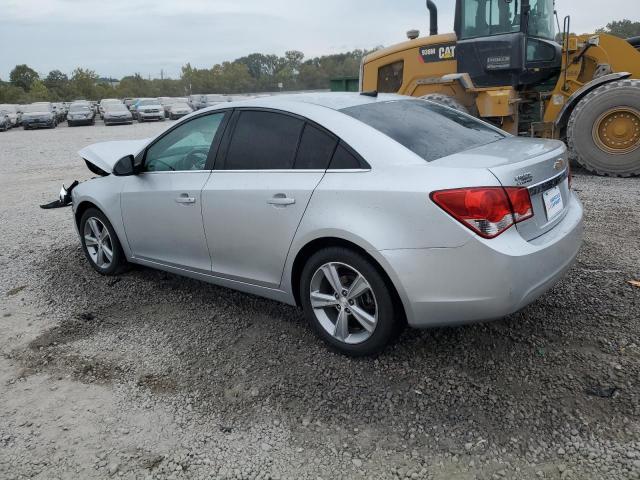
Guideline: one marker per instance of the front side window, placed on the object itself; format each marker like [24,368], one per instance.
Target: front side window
[483,18]
[390,77]
[263,141]
[428,129]
[184,148]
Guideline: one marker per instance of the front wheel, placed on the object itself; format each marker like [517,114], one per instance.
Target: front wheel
[603,133]
[348,302]
[100,243]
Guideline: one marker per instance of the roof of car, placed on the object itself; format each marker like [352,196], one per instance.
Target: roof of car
[332,100]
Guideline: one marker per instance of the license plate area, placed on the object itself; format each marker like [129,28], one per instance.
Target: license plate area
[553,203]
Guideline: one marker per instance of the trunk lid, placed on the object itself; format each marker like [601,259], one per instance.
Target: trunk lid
[541,166]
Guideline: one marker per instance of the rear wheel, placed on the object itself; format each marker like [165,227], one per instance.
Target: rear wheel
[603,133]
[445,100]
[348,302]
[100,243]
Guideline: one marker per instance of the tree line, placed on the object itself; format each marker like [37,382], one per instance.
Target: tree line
[253,73]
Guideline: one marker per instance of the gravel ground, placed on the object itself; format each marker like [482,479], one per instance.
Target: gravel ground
[149,375]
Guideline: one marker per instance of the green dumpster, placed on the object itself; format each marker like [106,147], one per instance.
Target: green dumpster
[345,84]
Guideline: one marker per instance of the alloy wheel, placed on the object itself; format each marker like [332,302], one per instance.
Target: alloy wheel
[98,242]
[344,303]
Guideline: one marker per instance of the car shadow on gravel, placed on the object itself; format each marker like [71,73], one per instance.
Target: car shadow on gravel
[244,357]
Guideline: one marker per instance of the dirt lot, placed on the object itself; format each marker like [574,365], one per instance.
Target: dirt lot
[149,375]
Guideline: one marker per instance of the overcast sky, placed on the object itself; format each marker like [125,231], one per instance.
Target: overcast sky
[121,37]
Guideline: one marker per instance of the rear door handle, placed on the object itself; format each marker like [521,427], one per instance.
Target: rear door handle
[281,199]
[185,199]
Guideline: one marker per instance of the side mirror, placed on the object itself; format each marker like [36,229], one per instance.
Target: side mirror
[124,167]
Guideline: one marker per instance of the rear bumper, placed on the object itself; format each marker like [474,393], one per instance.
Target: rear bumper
[483,279]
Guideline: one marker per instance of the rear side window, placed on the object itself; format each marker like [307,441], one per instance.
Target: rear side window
[316,149]
[390,77]
[263,141]
[427,129]
[344,159]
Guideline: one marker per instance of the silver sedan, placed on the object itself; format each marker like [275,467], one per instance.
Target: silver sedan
[369,212]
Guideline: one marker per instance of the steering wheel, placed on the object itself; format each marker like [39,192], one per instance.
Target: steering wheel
[195,160]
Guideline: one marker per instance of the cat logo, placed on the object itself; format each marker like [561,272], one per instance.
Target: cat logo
[447,53]
[438,53]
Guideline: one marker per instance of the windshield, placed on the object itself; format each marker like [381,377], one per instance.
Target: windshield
[426,128]
[116,107]
[178,106]
[36,108]
[79,107]
[484,18]
[151,101]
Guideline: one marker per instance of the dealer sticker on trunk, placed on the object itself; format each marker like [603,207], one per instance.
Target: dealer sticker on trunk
[553,202]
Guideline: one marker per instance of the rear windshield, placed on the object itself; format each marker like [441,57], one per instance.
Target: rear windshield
[427,129]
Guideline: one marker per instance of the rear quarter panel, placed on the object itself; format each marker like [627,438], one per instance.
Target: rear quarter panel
[385,209]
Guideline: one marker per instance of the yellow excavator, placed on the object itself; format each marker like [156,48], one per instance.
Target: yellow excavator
[506,64]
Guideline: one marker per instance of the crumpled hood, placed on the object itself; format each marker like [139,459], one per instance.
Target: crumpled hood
[105,155]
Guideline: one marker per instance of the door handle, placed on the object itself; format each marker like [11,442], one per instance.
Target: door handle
[281,199]
[185,199]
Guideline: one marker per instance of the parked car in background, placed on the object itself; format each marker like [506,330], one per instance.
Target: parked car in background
[168,101]
[5,121]
[105,101]
[80,113]
[149,109]
[12,112]
[178,110]
[214,99]
[369,213]
[196,101]
[40,114]
[60,111]
[117,113]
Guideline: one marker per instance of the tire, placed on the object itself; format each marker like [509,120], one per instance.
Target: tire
[376,301]
[140,120]
[446,100]
[69,124]
[585,139]
[99,263]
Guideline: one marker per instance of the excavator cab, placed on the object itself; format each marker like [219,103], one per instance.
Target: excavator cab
[507,42]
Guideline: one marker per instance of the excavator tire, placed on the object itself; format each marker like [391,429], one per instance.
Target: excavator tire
[603,134]
[446,100]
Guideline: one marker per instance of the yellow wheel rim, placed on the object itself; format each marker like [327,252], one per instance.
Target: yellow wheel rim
[617,131]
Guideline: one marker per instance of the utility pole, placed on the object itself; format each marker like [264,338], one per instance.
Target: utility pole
[161,74]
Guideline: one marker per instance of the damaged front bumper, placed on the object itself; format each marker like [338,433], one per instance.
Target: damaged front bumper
[64,198]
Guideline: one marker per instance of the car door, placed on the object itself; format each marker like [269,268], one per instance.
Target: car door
[161,206]
[264,176]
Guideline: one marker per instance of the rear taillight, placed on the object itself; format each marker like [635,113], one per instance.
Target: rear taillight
[488,211]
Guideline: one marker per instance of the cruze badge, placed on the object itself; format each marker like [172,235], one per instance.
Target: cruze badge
[559,165]
[524,178]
